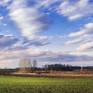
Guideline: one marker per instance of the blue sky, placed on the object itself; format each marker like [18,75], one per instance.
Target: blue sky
[50,31]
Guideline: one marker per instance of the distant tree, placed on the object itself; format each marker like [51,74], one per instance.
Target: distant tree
[60,67]
[25,63]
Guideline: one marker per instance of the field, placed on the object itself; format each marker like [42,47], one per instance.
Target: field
[11,84]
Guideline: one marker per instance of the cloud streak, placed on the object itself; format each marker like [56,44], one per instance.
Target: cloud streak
[7,41]
[46,56]
[76,10]
[87,29]
[86,47]
[82,39]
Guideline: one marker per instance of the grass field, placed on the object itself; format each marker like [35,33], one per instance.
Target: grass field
[12,84]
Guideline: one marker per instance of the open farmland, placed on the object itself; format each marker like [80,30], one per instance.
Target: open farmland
[11,84]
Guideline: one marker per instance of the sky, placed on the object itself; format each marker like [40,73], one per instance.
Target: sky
[50,31]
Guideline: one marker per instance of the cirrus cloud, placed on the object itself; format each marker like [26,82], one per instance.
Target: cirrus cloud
[76,10]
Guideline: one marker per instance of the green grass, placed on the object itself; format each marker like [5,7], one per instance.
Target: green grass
[45,85]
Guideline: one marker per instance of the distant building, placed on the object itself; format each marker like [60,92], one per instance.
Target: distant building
[34,64]
[81,68]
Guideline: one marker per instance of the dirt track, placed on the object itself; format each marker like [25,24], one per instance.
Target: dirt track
[55,74]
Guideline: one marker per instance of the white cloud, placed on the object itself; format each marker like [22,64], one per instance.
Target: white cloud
[4,2]
[75,10]
[86,47]
[82,40]
[72,10]
[42,55]
[7,41]
[75,41]
[87,29]
[47,3]
[1,17]
[27,19]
